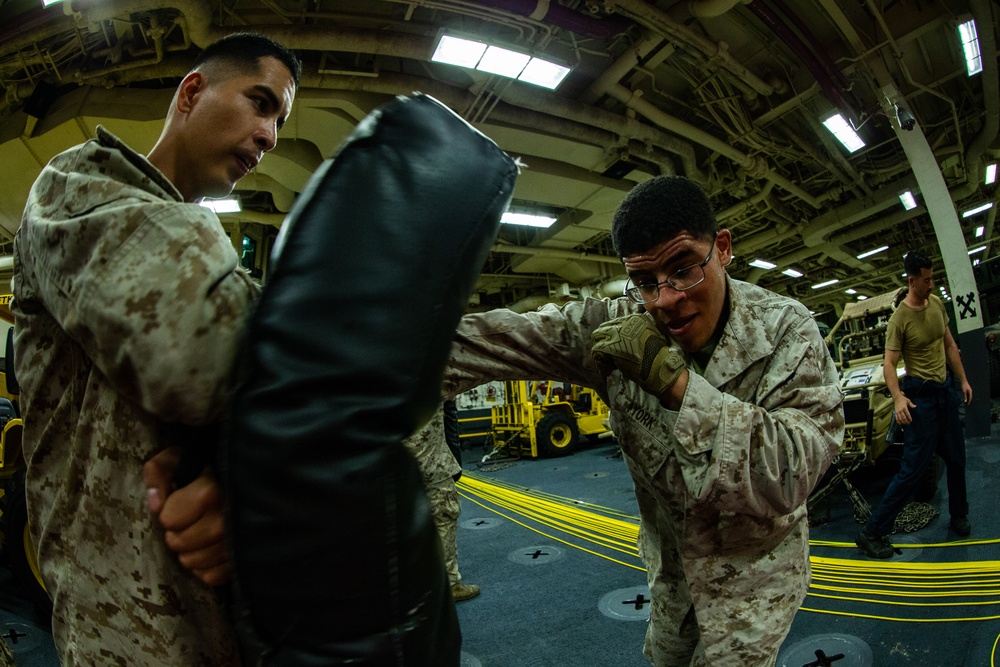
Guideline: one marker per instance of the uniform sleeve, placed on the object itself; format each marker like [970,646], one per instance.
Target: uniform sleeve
[430,449]
[551,343]
[764,457]
[152,293]
[894,334]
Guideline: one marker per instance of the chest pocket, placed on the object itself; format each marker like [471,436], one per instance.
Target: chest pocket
[644,429]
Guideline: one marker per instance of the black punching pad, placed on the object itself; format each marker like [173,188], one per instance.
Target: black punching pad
[336,558]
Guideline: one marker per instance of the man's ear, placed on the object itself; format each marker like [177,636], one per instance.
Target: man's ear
[189,91]
[724,241]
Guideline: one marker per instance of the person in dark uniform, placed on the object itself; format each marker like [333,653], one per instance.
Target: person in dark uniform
[926,405]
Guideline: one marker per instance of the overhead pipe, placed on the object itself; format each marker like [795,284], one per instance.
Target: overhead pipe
[563,17]
[615,72]
[32,27]
[524,97]
[824,60]
[659,21]
[839,240]
[769,18]
[884,77]
[736,209]
[608,84]
[413,47]
[991,94]
[555,253]
[819,230]
[612,288]
[416,47]
[772,236]
[755,166]
[712,8]
[622,65]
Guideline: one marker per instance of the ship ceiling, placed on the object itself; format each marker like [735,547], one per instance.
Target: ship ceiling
[729,93]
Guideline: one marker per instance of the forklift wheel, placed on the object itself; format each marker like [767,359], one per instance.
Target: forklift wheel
[556,435]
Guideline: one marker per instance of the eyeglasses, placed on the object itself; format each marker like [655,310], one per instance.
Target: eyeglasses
[680,280]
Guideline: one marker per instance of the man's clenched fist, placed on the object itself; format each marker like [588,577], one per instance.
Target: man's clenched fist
[635,346]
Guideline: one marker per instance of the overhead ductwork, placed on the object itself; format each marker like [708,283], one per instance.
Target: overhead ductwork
[563,17]
[660,22]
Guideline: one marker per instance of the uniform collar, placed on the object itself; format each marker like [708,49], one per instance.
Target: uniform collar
[744,340]
[108,140]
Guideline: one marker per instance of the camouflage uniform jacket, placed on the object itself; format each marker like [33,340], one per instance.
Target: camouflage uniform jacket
[436,462]
[128,306]
[722,483]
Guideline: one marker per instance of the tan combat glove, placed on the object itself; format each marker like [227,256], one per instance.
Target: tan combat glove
[634,345]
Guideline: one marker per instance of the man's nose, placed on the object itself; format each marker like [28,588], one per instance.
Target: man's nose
[667,297]
[266,137]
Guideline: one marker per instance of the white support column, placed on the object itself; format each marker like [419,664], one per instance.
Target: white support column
[955,256]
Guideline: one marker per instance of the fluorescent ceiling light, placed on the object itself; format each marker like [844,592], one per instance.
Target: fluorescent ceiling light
[763,264]
[457,51]
[792,273]
[850,290]
[543,73]
[503,62]
[228,205]
[826,284]
[861,297]
[991,173]
[46,3]
[979,249]
[844,132]
[475,54]
[873,252]
[979,209]
[970,47]
[529,219]
[980,230]
[909,202]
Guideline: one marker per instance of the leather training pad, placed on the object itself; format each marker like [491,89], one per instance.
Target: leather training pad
[335,554]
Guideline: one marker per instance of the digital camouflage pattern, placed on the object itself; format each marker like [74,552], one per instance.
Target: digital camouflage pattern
[6,657]
[722,483]
[438,466]
[128,305]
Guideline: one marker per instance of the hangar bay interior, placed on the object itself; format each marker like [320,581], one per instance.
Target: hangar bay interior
[729,93]
[736,94]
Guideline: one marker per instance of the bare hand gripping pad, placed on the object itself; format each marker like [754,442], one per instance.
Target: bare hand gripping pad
[336,558]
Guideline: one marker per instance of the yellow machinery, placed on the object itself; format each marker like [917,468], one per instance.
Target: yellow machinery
[15,542]
[546,418]
[857,344]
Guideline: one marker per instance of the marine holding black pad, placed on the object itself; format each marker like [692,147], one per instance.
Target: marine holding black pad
[336,558]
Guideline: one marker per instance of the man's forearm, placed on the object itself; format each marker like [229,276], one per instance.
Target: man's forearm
[954,358]
[891,379]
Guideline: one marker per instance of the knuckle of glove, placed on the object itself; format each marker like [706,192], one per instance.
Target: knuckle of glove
[628,341]
[664,364]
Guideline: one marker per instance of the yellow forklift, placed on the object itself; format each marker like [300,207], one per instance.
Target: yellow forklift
[541,418]
[15,542]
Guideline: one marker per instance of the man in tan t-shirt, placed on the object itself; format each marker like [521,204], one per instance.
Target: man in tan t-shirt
[926,405]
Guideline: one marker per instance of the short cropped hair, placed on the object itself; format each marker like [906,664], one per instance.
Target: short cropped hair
[915,261]
[658,210]
[242,52]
